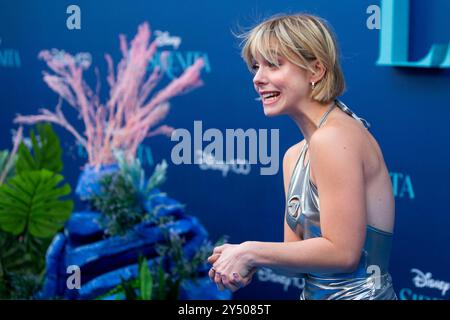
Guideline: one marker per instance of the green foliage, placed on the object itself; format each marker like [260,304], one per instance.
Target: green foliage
[145,280]
[22,254]
[140,288]
[129,290]
[158,177]
[122,194]
[19,286]
[32,210]
[46,151]
[184,268]
[163,278]
[158,284]
[119,203]
[30,203]
[133,172]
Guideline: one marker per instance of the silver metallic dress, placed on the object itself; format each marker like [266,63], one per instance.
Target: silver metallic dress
[370,280]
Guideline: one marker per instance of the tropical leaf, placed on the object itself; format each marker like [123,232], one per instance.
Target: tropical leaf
[24,255]
[46,151]
[146,280]
[30,204]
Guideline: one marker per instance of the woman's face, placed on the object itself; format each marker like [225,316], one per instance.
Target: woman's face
[280,88]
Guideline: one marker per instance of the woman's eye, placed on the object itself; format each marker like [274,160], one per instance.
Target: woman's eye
[273,65]
[255,67]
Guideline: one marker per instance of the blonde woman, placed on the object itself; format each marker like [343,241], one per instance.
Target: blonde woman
[339,214]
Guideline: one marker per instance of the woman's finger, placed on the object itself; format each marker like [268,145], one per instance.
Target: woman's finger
[212,274]
[219,249]
[237,280]
[218,281]
[213,258]
[229,283]
[243,281]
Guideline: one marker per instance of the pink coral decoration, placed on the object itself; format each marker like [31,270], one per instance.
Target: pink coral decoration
[17,139]
[128,117]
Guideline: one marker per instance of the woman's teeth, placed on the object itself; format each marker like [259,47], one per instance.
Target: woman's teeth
[269,97]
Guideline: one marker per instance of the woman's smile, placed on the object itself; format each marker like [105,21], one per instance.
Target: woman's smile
[269,98]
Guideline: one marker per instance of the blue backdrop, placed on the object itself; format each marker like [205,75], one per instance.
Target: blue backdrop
[408,109]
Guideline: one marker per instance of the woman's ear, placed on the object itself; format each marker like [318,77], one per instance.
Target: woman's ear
[319,71]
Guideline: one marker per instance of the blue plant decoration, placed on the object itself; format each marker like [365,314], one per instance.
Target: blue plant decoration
[126,219]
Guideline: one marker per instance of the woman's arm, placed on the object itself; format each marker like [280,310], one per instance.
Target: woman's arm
[338,166]
[336,158]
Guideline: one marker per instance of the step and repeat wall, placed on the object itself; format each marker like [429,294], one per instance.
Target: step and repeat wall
[396,60]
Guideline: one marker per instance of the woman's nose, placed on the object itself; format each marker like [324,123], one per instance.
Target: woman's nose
[259,78]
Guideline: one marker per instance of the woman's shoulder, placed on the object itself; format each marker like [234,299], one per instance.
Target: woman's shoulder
[293,152]
[339,144]
[340,130]
[291,156]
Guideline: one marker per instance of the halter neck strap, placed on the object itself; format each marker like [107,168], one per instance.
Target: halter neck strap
[324,117]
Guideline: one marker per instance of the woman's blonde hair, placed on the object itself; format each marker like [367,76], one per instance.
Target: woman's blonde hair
[301,39]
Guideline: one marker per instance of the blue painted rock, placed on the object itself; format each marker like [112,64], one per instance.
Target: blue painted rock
[103,260]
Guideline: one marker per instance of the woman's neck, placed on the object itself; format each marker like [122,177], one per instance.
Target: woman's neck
[307,116]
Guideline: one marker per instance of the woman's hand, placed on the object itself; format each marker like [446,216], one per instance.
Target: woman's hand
[231,266]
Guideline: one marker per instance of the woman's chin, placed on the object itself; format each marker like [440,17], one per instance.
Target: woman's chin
[271,112]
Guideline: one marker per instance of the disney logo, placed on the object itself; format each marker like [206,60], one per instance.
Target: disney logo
[422,280]
[163,38]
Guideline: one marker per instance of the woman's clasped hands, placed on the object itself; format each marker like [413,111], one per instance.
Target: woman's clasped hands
[231,266]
